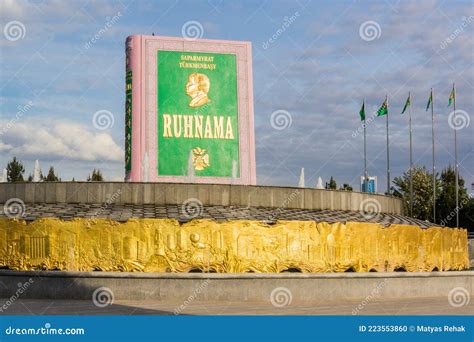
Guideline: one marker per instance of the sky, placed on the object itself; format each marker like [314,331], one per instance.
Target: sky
[313,64]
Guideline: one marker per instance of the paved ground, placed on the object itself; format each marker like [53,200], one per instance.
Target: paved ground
[416,306]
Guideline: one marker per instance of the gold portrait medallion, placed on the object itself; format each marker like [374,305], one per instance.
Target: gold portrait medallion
[197,87]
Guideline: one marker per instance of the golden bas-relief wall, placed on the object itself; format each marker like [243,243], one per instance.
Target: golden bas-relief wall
[164,245]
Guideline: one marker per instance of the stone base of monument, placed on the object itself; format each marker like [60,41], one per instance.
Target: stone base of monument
[181,228]
[177,243]
[177,287]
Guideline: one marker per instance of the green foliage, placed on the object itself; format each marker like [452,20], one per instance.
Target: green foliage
[96,176]
[422,192]
[15,171]
[445,197]
[332,185]
[466,215]
[51,176]
[346,187]
[446,200]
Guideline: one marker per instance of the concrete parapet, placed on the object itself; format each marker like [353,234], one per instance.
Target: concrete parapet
[208,194]
[236,287]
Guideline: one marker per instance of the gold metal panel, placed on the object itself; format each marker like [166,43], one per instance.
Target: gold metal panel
[163,245]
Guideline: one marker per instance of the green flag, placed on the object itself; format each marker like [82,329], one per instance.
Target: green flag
[362,112]
[452,97]
[430,101]
[383,110]
[407,103]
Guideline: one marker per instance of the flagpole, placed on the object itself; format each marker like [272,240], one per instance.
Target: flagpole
[433,150]
[411,157]
[456,158]
[388,152]
[365,153]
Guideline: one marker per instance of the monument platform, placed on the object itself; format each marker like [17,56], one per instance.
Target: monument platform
[159,227]
[295,287]
[208,194]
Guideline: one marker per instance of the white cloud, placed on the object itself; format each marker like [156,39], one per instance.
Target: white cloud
[57,140]
[319,71]
[13,8]
[4,147]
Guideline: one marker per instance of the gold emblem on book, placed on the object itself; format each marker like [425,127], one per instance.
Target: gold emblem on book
[200,158]
[197,87]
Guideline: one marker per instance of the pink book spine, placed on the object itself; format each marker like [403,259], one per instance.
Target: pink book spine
[133,104]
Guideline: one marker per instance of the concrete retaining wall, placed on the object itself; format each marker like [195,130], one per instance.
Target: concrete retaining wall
[235,287]
[208,194]
[470,248]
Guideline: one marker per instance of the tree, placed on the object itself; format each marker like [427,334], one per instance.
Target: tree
[446,200]
[466,216]
[52,177]
[332,184]
[15,171]
[96,176]
[346,187]
[422,192]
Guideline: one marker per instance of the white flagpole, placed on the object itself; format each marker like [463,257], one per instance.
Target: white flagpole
[456,159]
[411,157]
[388,152]
[365,153]
[433,150]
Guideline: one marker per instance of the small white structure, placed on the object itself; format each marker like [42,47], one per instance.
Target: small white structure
[191,173]
[301,182]
[4,176]
[37,172]
[145,167]
[319,184]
